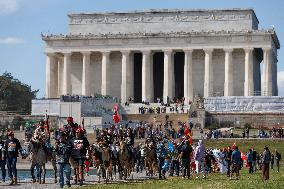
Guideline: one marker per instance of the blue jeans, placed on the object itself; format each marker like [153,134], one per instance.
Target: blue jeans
[185,168]
[64,167]
[11,165]
[3,169]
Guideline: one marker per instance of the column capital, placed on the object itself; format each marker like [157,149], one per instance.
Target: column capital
[229,50]
[266,49]
[248,49]
[167,51]
[208,50]
[86,53]
[106,53]
[125,52]
[50,54]
[146,52]
[188,50]
[67,53]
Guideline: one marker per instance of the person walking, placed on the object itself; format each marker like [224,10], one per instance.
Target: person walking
[2,159]
[254,158]
[266,158]
[249,161]
[80,145]
[236,162]
[186,151]
[12,148]
[277,159]
[272,161]
[228,156]
[199,158]
[63,152]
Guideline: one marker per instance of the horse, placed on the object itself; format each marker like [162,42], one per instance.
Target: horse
[150,159]
[102,160]
[126,159]
[39,158]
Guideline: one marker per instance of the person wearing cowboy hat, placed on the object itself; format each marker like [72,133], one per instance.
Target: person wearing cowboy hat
[80,145]
[12,147]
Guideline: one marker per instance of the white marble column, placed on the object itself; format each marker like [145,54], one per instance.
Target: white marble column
[67,90]
[105,73]
[267,75]
[208,73]
[60,76]
[248,84]
[229,73]
[86,74]
[275,85]
[168,76]
[188,84]
[125,73]
[50,75]
[146,77]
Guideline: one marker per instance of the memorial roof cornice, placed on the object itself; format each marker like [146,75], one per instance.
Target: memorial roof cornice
[90,36]
[154,11]
[158,11]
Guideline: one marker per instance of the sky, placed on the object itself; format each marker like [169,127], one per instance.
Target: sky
[23,21]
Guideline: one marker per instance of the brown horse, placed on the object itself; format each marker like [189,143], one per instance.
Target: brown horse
[102,160]
[39,157]
[126,159]
[150,159]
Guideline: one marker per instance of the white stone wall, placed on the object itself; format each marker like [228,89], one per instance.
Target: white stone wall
[163,20]
[198,72]
[76,73]
[218,71]
[96,73]
[239,71]
[115,74]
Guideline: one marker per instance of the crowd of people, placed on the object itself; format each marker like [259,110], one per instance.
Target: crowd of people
[161,149]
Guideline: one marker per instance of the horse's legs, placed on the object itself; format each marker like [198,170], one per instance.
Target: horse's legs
[53,162]
[99,173]
[33,172]
[76,172]
[40,172]
[44,171]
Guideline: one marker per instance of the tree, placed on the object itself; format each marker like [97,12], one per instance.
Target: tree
[15,95]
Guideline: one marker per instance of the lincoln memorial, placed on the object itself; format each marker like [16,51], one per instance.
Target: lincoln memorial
[163,54]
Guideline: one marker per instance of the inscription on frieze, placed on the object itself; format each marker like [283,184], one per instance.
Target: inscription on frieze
[142,18]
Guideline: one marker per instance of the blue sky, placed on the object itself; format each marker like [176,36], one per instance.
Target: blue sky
[22,21]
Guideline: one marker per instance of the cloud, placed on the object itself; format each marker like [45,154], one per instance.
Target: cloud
[280,80]
[9,6]
[11,40]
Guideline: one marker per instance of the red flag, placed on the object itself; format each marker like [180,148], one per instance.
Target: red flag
[186,131]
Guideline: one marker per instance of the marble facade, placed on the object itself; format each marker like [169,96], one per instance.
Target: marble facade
[223,54]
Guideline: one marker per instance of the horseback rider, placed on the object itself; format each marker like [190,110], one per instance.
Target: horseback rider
[80,145]
[40,136]
[71,127]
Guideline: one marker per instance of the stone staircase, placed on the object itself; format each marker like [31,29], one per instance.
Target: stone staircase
[133,108]
[174,117]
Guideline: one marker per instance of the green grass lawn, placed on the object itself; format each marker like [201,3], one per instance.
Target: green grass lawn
[215,180]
